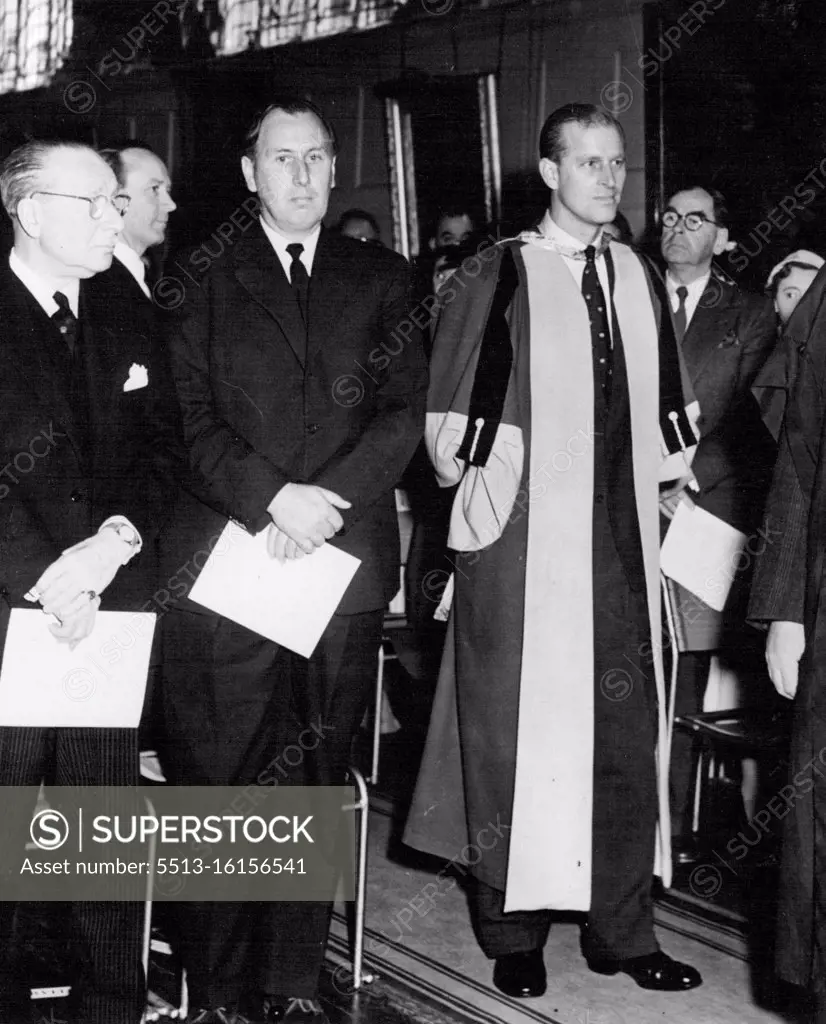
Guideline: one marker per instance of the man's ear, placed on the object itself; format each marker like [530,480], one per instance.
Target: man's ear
[333,175]
[29,217]
[721,243]
[549,172]
[248,170]
[431,244]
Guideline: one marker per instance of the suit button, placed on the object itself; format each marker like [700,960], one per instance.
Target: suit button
[312,428]
[77,495]
[599,499]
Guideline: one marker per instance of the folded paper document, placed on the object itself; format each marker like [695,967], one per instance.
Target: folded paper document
[99,682]
[290,603]
[703,553]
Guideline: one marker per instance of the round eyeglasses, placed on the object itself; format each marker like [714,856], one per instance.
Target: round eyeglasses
[693,221]
[97,204]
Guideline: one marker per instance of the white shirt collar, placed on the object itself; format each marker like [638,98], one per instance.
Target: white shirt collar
[695,289]
[43,288]
[133,263]
[280,242]
[551,230]
[694,293]
[549,227]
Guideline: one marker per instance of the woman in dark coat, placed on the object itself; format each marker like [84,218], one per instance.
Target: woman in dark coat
[788,592]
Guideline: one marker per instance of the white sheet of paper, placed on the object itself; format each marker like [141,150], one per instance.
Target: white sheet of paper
[99,684]
[702,553]
[290,603]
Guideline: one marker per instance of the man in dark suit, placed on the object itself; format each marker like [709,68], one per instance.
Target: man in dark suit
[302,386]
[89,438]
[725,337]
[144,177]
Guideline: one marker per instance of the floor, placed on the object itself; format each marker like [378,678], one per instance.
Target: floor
[418,935]
[426,967]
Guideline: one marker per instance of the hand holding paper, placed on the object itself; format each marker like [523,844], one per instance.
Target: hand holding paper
[76,627]
[672,496]
[96,683]
[280,546]
[307,514]
[80,575]
[289,602]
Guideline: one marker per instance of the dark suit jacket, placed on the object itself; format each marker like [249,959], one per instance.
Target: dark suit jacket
[121,277]
[69,465]
[260,412]
[729,338]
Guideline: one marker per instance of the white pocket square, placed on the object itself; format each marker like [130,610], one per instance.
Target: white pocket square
[138,378]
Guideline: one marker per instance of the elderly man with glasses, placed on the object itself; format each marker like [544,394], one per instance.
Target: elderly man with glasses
[89,435]
[725,336]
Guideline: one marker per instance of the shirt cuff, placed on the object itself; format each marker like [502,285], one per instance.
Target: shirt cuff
[123,521]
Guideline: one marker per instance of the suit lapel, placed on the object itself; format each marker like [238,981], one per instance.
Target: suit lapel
[334,283]
[713,319]
[33,346]
[259,271]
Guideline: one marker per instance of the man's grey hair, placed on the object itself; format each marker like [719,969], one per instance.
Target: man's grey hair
[21,170]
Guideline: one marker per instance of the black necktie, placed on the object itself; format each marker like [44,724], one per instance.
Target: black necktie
[299,278]
[66,320]
[680,318]
[150,276]
[598,315]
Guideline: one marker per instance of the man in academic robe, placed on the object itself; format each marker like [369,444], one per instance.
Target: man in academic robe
[788,595]
[555,379]
[88,430]
[302,384]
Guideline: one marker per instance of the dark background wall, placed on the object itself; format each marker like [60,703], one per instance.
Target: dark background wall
[729,92]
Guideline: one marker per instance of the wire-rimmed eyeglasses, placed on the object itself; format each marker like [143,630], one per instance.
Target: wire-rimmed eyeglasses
[693,221]
[97,204]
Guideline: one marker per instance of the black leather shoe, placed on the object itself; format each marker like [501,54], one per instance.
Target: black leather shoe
[521,975]
[686,850]
[655,971]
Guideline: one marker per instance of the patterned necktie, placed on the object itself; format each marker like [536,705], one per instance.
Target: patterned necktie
[66,321]
[680,318]
[299,278]
[598,316]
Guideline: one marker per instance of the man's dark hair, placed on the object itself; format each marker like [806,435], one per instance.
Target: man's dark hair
[20,171]
[290,105]
[455,209]
[552,136]
[113,155]
[719,206]
[356,214]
